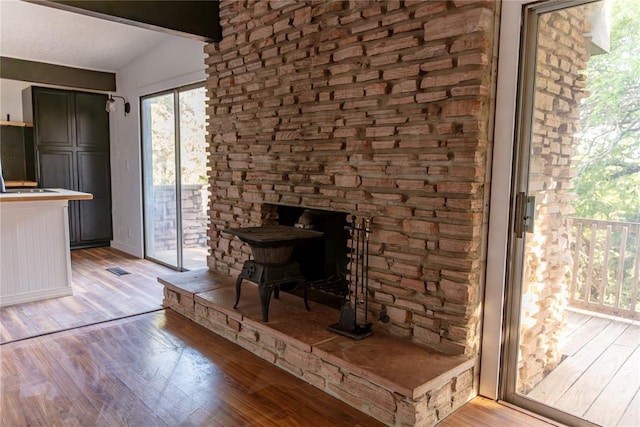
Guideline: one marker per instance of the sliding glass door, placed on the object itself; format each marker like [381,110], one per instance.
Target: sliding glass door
[573,347]
[175,177]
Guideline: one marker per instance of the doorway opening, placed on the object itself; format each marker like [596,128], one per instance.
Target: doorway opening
[176,193]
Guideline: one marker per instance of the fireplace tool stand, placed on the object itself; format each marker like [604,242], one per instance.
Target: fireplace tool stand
[358,280]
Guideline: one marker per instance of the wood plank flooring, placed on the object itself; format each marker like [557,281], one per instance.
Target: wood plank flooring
[157,368]
[98,295]
[599,379]
[483,412]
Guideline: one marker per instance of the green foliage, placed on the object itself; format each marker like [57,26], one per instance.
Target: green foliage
[608,158]
[161,130]
[162,144]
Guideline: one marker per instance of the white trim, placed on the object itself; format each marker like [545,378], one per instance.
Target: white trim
[129,249]
[501,181]
[35,296]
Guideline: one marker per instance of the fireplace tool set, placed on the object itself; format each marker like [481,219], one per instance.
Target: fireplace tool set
[358,275]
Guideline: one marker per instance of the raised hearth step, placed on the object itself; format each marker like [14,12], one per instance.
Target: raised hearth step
[391,378]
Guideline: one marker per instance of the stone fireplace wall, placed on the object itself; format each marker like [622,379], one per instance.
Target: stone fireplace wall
[379,109]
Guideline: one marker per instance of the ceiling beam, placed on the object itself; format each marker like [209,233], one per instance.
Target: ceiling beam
[59,75]
[198,20]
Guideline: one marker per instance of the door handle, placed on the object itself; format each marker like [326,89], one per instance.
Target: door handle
[524,214]
[530,214]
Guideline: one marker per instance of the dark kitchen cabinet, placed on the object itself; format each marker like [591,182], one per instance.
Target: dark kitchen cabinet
[71,132]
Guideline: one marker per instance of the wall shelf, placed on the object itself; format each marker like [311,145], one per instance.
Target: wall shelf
[18,124]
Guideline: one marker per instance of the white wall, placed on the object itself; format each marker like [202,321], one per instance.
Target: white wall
[11,99]
[174,63]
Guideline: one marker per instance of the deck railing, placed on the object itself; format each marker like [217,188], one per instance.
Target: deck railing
[606,267]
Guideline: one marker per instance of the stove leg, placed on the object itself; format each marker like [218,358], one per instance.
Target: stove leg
[238,282]
[306,294]
[265,297]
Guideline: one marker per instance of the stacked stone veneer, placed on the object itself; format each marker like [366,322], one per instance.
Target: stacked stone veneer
[563,52]
[378,109]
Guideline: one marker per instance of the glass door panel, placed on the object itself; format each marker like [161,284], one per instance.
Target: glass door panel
[574,340]
[193,178]
[161,232]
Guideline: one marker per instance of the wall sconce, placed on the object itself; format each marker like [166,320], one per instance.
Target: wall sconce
[111,105]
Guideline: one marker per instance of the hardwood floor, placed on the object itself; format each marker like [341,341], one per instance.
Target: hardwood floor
[160,369]
[598,380]
[483,412]
[156,368]
[98,295]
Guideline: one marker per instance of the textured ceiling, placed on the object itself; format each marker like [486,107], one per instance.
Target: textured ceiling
[39,33]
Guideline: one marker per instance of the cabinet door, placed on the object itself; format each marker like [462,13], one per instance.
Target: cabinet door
[95,214]
[57,171]
[92,121]
[54,117]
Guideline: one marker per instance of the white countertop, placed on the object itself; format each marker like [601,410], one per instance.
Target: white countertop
[41,194]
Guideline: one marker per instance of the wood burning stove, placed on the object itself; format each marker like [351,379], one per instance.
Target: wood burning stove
[272,266]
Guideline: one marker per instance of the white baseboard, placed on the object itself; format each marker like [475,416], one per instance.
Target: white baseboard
[131,250]
[35,296]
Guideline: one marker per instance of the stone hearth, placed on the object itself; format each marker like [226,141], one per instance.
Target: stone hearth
[390,378]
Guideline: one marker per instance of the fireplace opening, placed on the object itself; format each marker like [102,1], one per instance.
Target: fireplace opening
[323,261]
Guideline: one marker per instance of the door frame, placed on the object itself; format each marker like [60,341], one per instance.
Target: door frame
[178,180]
[511,16]
[514,103]
[500,200]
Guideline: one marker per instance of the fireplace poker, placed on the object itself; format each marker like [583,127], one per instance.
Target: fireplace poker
[367,232]
[358,278]
[350,269]
[360,264]
[361,237]
[354,230]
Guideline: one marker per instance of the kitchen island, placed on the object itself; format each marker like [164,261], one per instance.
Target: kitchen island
[35,259]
